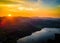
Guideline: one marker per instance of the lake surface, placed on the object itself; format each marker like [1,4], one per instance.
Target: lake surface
[40,36]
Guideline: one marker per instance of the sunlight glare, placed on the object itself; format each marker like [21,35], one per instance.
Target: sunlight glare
[9,15]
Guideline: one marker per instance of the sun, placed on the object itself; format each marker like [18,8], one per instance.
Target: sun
[9,15]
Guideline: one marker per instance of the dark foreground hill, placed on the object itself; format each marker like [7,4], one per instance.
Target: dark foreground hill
[10,31]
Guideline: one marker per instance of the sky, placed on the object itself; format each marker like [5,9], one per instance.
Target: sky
[30,8]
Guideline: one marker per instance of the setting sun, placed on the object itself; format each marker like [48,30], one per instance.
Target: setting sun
[9,15]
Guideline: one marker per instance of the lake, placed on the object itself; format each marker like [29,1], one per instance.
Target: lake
[40,36]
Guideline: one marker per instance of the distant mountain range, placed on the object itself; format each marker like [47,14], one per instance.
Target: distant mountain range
[37,22]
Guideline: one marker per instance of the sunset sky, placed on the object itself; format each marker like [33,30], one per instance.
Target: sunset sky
[30,8]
